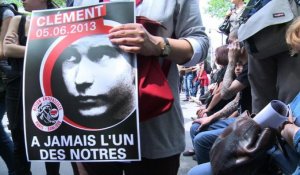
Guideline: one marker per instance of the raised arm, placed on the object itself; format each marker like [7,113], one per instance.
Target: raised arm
[231,86]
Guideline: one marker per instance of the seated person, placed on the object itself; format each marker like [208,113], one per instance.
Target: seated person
[214,102]
[290,133]
[205,130]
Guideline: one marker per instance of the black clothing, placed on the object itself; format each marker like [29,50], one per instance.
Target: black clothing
[245,98]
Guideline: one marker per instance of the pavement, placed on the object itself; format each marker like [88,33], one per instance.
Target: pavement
[186,163]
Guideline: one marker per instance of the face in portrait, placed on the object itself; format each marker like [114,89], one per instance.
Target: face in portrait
[98,83]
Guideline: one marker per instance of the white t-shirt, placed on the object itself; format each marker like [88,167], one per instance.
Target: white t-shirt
[7,13]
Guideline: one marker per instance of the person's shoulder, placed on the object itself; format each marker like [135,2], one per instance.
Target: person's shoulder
[15,20]
[7,13]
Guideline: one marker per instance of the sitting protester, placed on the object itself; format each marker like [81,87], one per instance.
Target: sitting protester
[214,102]
[205,130]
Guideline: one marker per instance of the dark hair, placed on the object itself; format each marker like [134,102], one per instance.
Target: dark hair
[239,63]
[222,55]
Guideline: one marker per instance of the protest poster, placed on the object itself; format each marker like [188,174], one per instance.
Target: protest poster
[80,90]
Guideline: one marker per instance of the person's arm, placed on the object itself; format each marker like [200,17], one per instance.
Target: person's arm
[11,47]
[4,27]
[215,100]
[231,86]
[195,68]
[226,111]
[200,73]
[149,45]
[218,88]
[291,133]
[190,47]
[296,139]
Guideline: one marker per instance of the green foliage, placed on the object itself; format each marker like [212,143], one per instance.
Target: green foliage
[61,3]
[218,8]
[19,3]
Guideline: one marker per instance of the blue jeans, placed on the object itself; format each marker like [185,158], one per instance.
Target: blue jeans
[195,88]
[6,144]
[188,82]
[287,164]
[297,172]
[203,89]
[203,169]
[204,139]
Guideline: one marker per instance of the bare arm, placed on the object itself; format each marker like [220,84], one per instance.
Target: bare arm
[149,45]
[226,111]
[217,88]
[4,28]
[289,131]
[11,47]
[189,47]
[215,100]
[231,86]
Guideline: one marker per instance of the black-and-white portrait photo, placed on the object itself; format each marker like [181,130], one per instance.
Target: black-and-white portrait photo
[97,83]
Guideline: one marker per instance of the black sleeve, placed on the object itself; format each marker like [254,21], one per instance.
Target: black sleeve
[221,74]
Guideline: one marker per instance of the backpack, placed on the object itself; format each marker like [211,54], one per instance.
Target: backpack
[252,7]
[241,148]
[265,30]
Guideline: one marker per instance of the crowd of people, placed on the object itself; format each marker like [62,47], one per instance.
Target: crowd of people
[183,41]
[246,76]
[253,78]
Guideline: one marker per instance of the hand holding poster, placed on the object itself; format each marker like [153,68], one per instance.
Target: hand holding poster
[80,94]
